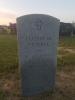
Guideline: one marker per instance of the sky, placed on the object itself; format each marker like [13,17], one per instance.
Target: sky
[61,9]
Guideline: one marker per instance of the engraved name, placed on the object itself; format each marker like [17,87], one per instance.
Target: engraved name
[38,40]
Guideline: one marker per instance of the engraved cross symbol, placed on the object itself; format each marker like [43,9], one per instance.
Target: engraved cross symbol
[38,24]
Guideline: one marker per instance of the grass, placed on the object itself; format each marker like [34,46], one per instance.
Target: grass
[67,42]
[9,71]
[2,95]
[8,53]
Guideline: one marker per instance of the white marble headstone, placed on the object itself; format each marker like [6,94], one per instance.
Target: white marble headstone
[38,40]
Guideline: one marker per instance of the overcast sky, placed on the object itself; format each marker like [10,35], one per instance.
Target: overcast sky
[11,9]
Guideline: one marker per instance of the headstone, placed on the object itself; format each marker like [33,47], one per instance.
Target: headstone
[37,38]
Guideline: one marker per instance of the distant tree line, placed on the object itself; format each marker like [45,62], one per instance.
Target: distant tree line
[66,29]
[11,29]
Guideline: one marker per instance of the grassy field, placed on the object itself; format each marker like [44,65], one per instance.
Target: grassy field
[10,78]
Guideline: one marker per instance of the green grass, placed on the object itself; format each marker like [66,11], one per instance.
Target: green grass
[68,42]
[2,95]
[8,53]
[9,71]
[65,58]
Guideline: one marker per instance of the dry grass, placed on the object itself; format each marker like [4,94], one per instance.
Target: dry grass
[64,90]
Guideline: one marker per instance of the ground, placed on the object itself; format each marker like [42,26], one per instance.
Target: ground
[10,78]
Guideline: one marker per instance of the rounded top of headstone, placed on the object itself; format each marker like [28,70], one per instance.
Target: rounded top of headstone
[38,15]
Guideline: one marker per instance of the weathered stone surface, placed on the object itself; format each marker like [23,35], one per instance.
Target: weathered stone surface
[37,39]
